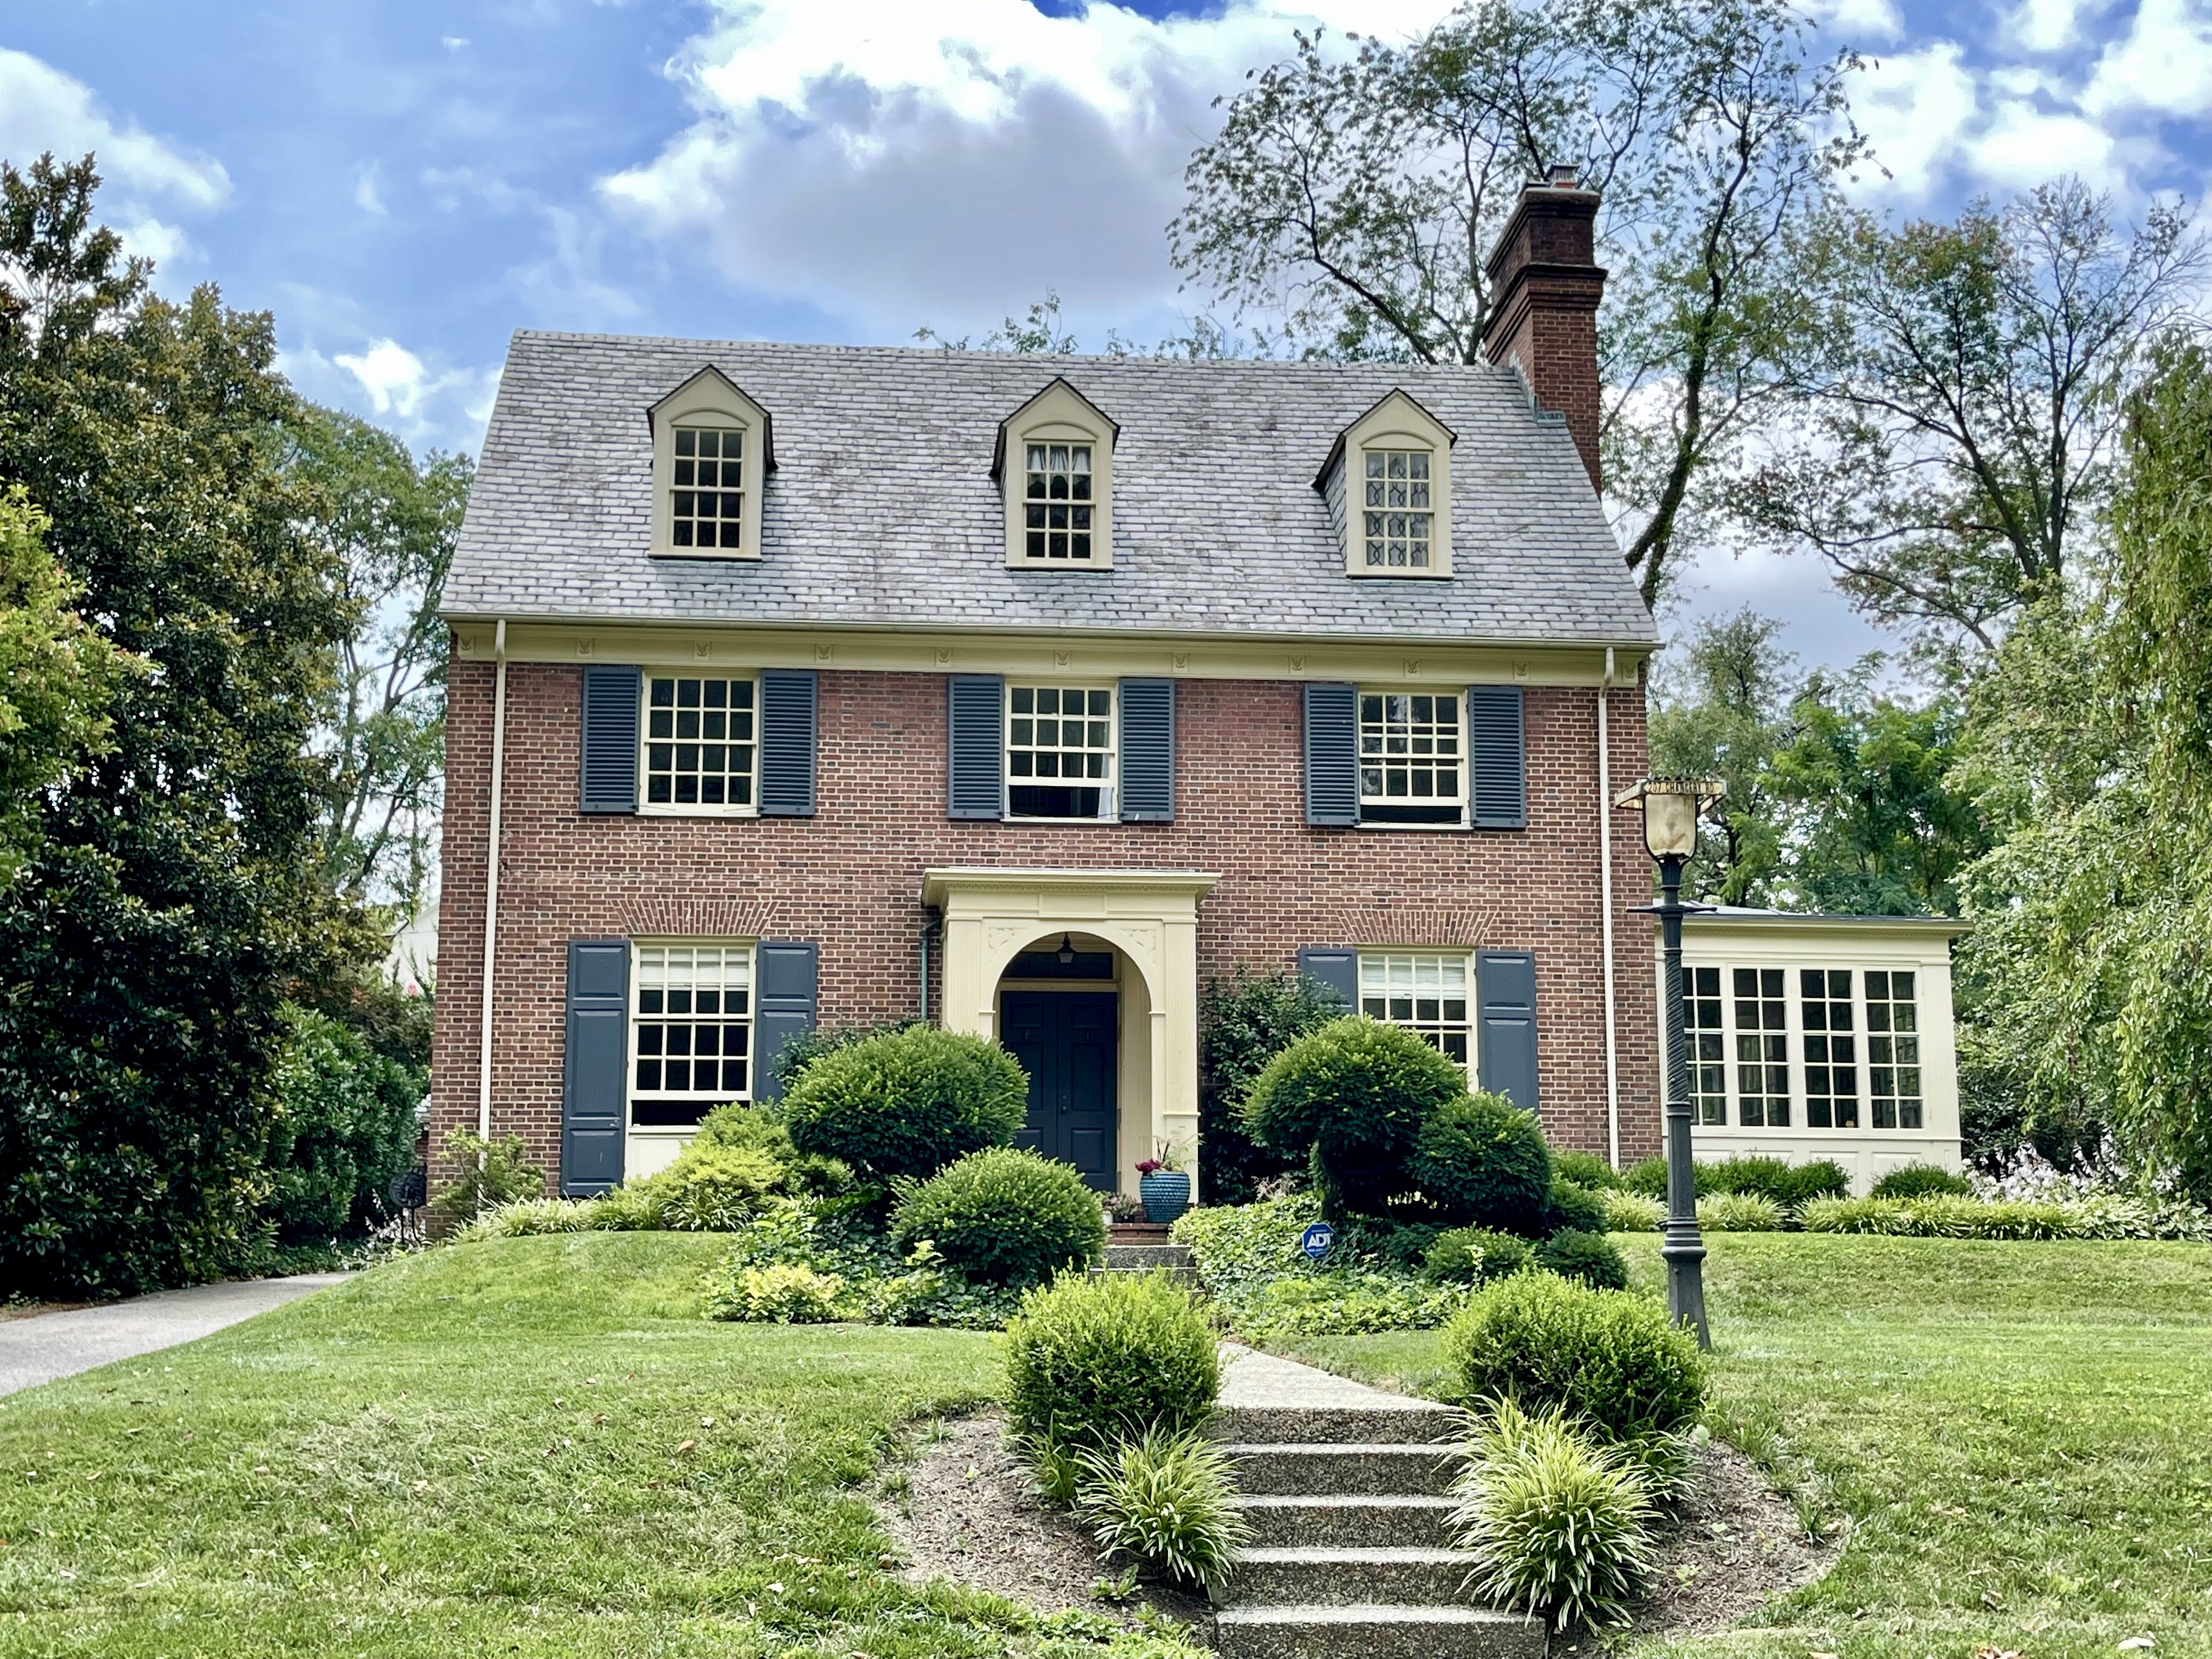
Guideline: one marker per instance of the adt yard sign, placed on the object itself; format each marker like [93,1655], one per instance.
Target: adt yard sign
[1316,1239]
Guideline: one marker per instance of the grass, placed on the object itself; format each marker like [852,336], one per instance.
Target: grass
[2020,1435]
[532,1447]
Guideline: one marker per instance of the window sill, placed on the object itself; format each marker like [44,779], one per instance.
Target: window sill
[1459,829]
[717,557]
[660,811]
[1077,823]
[1062,567]
[1366,576]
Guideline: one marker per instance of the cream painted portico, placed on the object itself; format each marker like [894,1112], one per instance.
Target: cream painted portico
[1149,921]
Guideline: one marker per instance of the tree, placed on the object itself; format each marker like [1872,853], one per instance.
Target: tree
[175,896]
[1958,390]
[387,525]
[1355,198]
[1725,715]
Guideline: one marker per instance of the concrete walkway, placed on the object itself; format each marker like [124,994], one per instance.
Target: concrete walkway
[46,1347]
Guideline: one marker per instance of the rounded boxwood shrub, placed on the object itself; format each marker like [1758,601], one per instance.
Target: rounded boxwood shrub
[1004,1217]
[1590,1257]
[1585,1169]
[1920,1181]
[1647,1176]
[1474,1255]
[1481,1161]
[1571,1209]
[1356,1092]
[908,1102]
[1094,1362]
[1612,1358]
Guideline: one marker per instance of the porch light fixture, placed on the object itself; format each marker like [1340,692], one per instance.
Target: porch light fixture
[1672,807]
[1067,949]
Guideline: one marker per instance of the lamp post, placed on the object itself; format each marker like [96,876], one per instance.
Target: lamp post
[1671,808]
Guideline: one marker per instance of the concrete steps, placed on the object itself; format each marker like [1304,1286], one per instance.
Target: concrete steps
[1345,1488]
[1138,1248]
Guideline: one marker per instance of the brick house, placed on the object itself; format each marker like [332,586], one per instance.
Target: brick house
[798,684]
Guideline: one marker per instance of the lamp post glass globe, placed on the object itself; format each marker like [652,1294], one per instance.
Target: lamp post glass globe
[1670,824]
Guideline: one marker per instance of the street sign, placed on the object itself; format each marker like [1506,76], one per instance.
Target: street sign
[1316,1239]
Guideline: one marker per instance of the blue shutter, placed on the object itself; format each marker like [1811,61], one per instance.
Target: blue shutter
[1497,772]
[594,1066]
[610,700]
[975,744]
[784,978]
[1334,967]
[1505,1012]
[1147,751]
[787,743]
[1332,753]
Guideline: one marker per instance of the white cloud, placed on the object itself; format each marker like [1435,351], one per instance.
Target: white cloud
[43,109]
[2025,145]
[425,403]
[1861,20]
[2048,26]
[1916,107]
[2163,65]
[365,194]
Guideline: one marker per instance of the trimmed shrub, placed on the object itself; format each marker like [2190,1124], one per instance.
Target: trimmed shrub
[1585,1169]
[1647,1176]
[906,1102]
[1609,1358]
[1740,1212]
[1824,1178]
[1633,1213]
[1481,1161]
[1004,1217]
[1788,1184]
[1092,1361]
[1590,1257]
[1244,1022]
[715,1188]
[1356,1093]
[1560,1525]
[1921,1180]
[1474,1255]
[1571,1209]
[1167,1501]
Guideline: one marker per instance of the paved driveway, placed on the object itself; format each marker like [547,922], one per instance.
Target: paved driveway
[49,1346]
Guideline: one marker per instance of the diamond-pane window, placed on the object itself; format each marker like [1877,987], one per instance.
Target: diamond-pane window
[1396,514]
[706,504]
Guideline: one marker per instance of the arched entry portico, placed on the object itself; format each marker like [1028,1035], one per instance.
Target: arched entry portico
[1149,917]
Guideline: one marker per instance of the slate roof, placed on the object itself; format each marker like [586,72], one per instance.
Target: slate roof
[882,512]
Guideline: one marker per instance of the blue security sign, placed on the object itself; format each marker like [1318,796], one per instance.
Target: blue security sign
[1316,1239]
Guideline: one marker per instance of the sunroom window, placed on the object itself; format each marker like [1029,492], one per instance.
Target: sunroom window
[1762,1050]
[1893,1050]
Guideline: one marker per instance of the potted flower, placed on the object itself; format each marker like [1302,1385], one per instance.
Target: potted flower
[1163,1186]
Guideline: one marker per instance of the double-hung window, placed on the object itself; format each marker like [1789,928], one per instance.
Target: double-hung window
[1701,1008]
[1425,992]
[700,743]
[1396,517]
[1060,752]
[1762,1048]
[707,501]
[1413,758]
[1056,502]
[1831,1071]
[1893,1050]
[691,1031]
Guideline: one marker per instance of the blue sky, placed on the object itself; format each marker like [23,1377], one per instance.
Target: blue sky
[403,183]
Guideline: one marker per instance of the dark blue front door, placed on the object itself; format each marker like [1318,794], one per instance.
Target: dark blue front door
[1066,1041]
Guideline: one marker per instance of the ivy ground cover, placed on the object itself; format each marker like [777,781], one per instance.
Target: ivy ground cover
[530,1446]
[2017,1433]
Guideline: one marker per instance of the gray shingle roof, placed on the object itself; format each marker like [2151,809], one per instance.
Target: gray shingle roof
[881,511]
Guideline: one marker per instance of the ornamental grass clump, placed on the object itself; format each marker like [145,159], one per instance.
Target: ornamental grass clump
[1167,1501]
[1610,1358]
[1558,1522]
[1093,1361]
[1740,1212]
[1633,1213]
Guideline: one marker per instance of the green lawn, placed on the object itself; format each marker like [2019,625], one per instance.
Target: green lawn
[498,1449]
[2021,1435]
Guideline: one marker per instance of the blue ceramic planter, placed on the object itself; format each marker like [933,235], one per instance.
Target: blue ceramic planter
[1166,1194]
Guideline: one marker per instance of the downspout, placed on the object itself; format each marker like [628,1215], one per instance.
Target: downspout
[932,931]
[491,882]
[1605,913]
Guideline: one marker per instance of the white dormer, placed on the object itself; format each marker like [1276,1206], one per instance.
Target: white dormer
[712,450]
[1388,482]
[1054,466]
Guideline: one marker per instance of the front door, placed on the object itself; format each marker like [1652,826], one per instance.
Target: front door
[1066,1041]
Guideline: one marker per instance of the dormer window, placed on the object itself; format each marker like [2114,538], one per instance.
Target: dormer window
[1054,465]
[711,447]
[1387,481]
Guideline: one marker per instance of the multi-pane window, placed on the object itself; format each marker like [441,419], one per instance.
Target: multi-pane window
[1060,751]
[691,1035]
[1762,1050]
[1701,1009]
[1423,992]
[699,743]
[1831,1071]
[1396,511]
[1412,763]
[707,505]
[1893,1050]
[1056,502]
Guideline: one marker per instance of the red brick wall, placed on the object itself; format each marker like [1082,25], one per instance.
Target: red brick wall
[850,877]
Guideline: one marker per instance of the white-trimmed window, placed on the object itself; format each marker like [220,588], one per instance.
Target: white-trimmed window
[1892,1019]
[712,448]
[1055,468]
[1413,758]
[1388,482]
[1057,502]
[700,743]
[1060,752]
[707,498]
[1423,991]
[1762,1050]
[1832,1047]
[1702,1012]
[691,1031]
[1396,516]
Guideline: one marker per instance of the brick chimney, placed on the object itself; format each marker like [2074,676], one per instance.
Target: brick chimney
[1544,285]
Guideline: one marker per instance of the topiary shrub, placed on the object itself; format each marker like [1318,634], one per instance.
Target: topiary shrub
[1571,1209]
[1356,1092]
[1920,1181]
[906,1102]
[1585,1169]
[1609,1358]
[1474,1255]
[1093,1361]
[1647,1176]
[1004,1217]
[1481,1162]
[1244,1022]
[1590,1257]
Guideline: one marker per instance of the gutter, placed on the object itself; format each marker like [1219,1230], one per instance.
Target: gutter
[491,882]
[1605,913]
